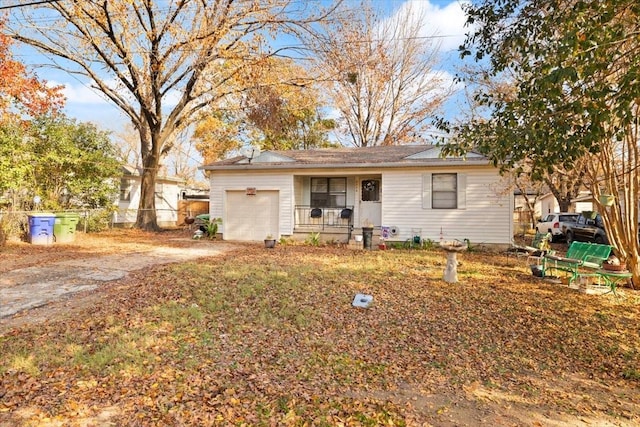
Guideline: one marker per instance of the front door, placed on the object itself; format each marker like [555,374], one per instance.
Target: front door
[370,203]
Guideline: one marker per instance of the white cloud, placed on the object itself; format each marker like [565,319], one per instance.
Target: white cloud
[172,98]
[79,93]
[89,105]
[448,84]
[446,23]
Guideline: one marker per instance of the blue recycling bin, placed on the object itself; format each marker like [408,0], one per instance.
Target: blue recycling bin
[41,228]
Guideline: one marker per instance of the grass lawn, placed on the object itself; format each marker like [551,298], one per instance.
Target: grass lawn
[269,337]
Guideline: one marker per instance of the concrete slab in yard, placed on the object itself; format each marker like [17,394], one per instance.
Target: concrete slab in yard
[32,287]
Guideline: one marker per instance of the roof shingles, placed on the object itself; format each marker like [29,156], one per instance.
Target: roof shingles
[396,154]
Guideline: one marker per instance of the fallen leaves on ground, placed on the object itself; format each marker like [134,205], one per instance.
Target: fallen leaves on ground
[269,337]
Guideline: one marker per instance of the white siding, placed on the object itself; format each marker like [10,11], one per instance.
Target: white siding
[352,191]
[279,181]
[300,185]
[584,206]
[548,204]
[486,217]
[303,194]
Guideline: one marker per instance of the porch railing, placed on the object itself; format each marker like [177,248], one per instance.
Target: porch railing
[314,218]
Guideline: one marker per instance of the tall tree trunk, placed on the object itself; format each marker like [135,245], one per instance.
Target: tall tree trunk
[564,204]
[147,218]
[531,208]
[565,184]
[616,171]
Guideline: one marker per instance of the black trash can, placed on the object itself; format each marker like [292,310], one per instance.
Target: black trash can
[367,237]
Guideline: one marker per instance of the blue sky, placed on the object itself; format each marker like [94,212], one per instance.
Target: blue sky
[445,19]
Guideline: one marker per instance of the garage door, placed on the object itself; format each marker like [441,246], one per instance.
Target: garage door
[251,218]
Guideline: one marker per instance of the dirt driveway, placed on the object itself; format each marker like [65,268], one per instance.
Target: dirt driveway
[43,282]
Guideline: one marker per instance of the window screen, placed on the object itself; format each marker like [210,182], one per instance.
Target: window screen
[444,191]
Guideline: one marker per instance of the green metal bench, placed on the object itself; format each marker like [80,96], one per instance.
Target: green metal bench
[580,255]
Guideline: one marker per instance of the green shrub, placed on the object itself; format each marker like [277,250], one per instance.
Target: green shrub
[211,227]
[13,225]
[95,221]
[313,239]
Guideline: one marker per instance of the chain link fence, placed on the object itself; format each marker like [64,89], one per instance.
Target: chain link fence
[15,224]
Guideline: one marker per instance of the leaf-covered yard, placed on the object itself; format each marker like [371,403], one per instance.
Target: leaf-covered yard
[269,337]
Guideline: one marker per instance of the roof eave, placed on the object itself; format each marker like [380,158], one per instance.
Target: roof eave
[386,165]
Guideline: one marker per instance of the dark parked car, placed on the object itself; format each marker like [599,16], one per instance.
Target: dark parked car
[587,228]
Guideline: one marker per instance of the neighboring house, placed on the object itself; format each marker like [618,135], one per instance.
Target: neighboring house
[168,192]
[332,191]
[584,202]
[549,204]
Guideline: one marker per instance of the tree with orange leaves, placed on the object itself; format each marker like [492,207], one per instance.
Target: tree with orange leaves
[21,92]
[23,97]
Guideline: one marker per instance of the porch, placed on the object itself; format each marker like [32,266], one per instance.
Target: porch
[331,222]
[335,206]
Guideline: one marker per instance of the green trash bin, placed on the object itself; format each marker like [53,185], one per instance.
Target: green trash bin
[64,227]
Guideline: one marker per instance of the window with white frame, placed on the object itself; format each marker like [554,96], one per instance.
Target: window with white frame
[125,190]
[444,191]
